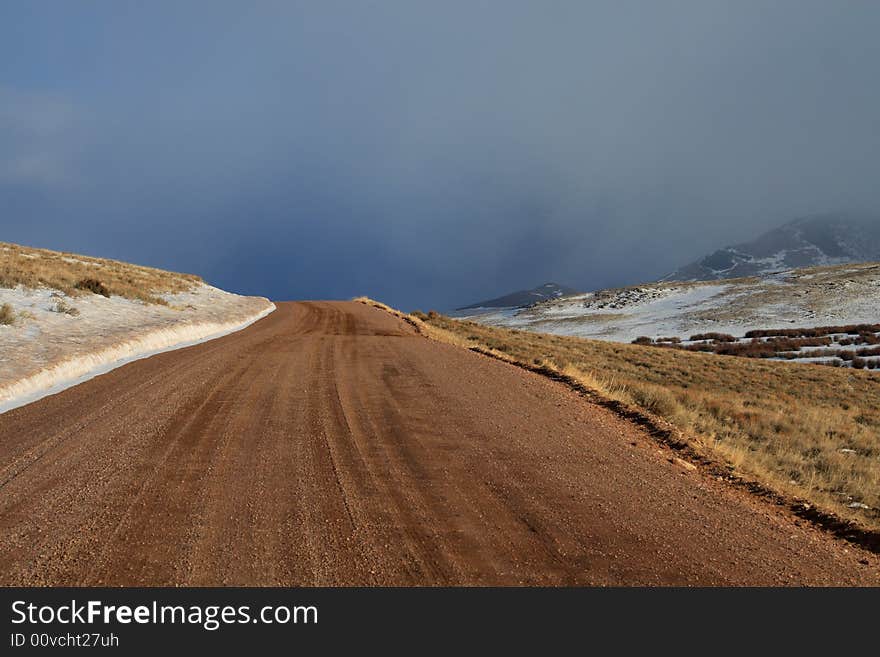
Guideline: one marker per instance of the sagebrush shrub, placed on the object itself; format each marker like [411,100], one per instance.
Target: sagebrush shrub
[93,285]
[7,314]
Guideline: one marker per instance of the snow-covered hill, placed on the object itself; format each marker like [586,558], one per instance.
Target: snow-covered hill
[808,242]
[819,296]
[51,338]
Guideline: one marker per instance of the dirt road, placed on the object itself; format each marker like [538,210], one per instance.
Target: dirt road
[330,444]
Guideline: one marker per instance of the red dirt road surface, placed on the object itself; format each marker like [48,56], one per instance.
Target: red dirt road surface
[328,444]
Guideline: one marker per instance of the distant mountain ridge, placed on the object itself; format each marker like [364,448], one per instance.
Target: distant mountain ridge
[820,240]
[525,297]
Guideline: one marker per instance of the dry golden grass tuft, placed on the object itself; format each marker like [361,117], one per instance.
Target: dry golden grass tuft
[7,315]
[807,432]
[77,274]
[378,304]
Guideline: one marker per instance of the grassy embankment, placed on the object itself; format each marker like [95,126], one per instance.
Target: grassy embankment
[76,274]
[808,433]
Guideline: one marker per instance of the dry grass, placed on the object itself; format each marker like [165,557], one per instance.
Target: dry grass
[60,305]
[7,315]
[378,304]
[76,274]
[807,432]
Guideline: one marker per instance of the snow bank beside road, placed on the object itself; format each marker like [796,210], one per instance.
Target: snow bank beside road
[58,341]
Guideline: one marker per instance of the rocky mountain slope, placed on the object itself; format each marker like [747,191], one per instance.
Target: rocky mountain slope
[807,242]
[524,297]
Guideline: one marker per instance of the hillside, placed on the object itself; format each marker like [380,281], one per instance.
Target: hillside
[817,296]
[65,317]
[807,242]
[524,297]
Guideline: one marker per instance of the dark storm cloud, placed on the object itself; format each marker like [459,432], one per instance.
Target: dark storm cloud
[430,153]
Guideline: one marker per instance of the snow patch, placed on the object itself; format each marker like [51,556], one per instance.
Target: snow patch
[46,351]
[74,371]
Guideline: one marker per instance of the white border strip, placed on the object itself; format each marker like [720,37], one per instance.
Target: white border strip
[74,371]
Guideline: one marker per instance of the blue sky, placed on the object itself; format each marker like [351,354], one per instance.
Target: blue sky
[430,154]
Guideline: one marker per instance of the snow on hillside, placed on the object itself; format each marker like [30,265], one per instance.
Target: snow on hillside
[805,297]
[56,340]
[821,240]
